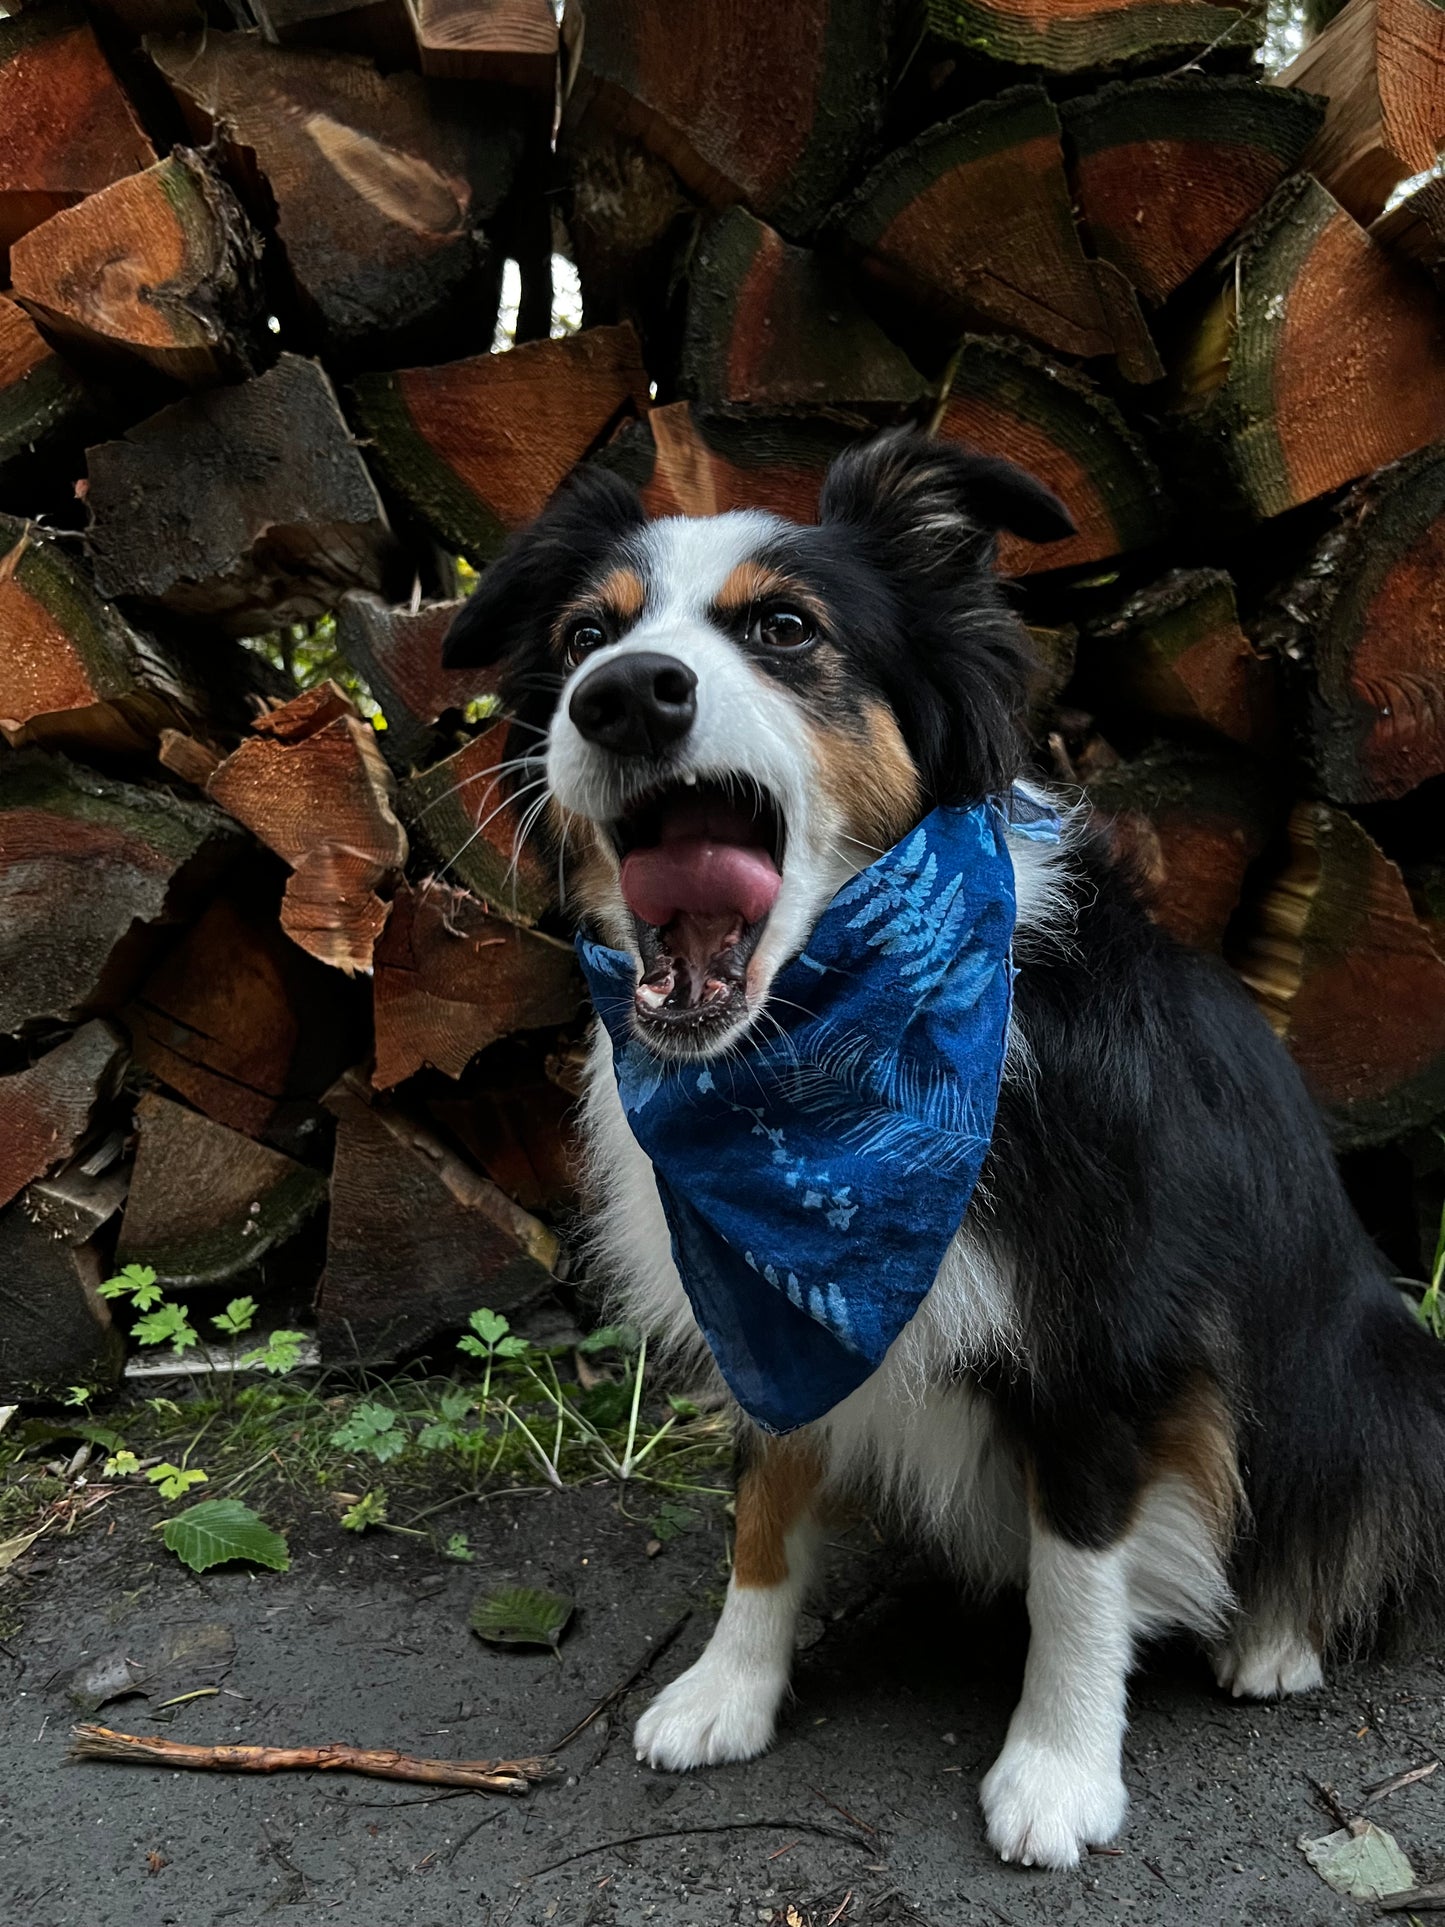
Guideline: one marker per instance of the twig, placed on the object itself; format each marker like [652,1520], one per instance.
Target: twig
[486,1776]
[610,1699]
[851,1818]
[1329,1800]
[1397,1781]
[679,1833]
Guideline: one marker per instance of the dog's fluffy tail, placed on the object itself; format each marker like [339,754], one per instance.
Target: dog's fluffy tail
[1348,1538]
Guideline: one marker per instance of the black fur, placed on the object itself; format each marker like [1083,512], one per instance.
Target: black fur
[1162,1182]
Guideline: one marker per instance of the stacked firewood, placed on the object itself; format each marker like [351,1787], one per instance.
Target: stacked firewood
[285,1000]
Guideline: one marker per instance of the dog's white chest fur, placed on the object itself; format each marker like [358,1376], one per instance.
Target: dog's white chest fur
[914,1440]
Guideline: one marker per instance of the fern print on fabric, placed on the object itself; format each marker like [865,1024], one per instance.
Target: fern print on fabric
[814,1177]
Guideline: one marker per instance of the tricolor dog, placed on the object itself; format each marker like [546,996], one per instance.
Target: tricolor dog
[1046,1256]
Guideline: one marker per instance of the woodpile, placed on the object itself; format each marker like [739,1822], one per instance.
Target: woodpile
[286,1004]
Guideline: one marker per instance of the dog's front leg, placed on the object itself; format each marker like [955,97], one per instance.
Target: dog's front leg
[1056,1788]
[725,1707]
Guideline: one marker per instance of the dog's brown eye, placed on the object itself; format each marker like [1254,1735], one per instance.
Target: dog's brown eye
[780,627]
[582,638]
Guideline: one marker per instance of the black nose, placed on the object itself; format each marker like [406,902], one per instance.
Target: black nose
[636,705]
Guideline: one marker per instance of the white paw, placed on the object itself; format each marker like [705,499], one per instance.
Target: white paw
[1044,1807]
[711,1715]
[1259,1665]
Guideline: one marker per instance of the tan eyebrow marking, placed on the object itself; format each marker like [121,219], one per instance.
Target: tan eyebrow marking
[748,583]
[620,595]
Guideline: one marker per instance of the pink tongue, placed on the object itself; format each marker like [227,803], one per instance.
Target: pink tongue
[700,877]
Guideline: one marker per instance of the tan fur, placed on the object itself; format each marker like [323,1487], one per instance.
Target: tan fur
[1194,1441]
[774,1492]
[870,777]
[589,863]
[619,598]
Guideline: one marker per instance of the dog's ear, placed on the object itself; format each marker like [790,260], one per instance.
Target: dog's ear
[936,503]
[542,567]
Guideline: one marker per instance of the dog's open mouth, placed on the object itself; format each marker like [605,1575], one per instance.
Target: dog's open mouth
[701,869]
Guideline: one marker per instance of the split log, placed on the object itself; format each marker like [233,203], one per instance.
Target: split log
[312,785]
[66,128]
[520,1129]
[476,447]
[397,651]
[1336,957]
[1320,359]
[459,812]
[1415,229]
[451,979]
[380,189]
[695,461]
[73,674]
[46,1109]
[1091,33]
[243,1024]
[249,505]
[1380,64]
[42,399]
[1054,423]
[417,1241]
[513,42]
[162,266]
[1366,614]
[55,1328]
[1176,651]
[1167,170]
[779,327]
[1191,822]
[773,105]
[85,863]
[206,1204]
[974,221]
[378,29]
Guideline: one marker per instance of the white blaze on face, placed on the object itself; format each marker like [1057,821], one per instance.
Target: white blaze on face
[749,729]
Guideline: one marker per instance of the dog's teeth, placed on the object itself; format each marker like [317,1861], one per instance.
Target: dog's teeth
[690,779]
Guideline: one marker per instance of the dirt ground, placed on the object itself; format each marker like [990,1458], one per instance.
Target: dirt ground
[866,1810]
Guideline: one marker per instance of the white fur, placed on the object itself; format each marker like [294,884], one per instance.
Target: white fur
[747,727]
[920,1443]
[726,1706]
[1266,1659]
[1056,1788]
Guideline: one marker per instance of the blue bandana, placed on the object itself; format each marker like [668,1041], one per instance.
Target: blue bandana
[814,1177]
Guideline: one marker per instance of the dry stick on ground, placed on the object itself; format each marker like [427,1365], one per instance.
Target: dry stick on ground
[484,1776]
[644,1665]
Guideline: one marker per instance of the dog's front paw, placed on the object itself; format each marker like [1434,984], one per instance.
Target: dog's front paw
[1043,1807]
[711,1715]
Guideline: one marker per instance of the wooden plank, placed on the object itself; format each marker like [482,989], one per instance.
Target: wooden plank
[55,1328]
[688,460]
[397,651]
[43,401]
[513,42]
